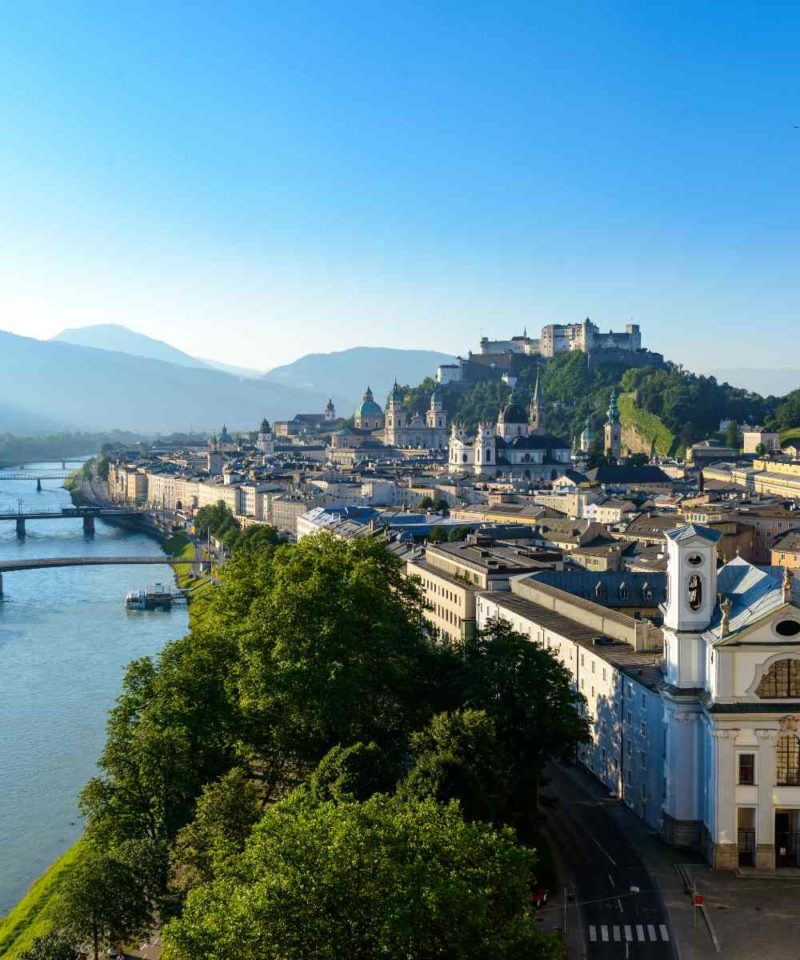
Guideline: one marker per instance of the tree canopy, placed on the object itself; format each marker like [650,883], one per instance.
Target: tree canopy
[385,878]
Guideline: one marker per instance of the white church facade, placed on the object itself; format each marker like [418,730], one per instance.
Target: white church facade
[695,723]
[518,445]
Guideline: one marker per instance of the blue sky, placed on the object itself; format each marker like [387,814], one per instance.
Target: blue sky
[254,181]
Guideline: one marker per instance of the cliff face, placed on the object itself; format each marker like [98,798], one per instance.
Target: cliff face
[641,429]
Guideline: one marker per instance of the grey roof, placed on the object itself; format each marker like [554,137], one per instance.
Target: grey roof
[754,592]
[643,667]
[617,588]
[693,530]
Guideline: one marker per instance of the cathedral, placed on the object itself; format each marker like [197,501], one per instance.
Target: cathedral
[518,445]
[402,430]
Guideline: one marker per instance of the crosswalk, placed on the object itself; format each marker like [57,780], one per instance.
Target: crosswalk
[619,932]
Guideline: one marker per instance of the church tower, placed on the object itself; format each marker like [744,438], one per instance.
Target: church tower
[330,411]
[613,429]
[537,412]
[395,415]
[266,439]
[436,417]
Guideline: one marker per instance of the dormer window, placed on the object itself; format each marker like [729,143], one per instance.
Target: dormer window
[647,592]
[623,591]
[600,591]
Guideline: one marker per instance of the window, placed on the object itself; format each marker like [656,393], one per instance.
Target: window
[747,768]
[787,760]
[781,680]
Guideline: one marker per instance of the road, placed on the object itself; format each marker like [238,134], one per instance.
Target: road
[617,922]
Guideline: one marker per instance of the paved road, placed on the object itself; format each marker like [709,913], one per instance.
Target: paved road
[616,922]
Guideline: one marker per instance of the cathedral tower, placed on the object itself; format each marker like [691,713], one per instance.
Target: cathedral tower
[613,429]
[537,412]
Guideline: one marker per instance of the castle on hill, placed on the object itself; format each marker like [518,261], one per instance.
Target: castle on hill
[504,358]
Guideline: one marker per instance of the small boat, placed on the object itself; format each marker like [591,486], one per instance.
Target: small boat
[154,596]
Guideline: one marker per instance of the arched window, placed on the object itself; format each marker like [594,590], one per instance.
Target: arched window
[787,760]
[623,591]
[488,455]
[600,591]
[647,592]
[780,681]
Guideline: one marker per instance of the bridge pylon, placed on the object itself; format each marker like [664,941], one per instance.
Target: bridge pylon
[20,528]
[88,524]
[38,484]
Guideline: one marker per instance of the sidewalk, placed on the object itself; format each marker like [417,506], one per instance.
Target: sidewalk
[753,915]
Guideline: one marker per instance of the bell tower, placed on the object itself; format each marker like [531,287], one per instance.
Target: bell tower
[537,412]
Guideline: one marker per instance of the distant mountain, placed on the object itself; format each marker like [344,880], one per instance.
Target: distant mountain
[353,370]
[113,336]
[231,369]
[22,422]
[775,383]
[92,389]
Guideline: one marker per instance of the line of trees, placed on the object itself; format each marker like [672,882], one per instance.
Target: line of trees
[307,774]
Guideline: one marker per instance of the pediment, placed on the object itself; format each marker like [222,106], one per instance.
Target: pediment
[779,626]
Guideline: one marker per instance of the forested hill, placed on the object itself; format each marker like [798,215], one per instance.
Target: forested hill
[690,406]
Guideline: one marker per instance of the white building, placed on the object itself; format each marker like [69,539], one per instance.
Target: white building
[516,446]
[698,731]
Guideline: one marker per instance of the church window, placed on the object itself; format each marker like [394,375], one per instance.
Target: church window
[488,455]
[781,680]
[465,457]
[747,768]
[787,760]
[787,628]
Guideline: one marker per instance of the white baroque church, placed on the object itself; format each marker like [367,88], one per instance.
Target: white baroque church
[731,706]
[518,445]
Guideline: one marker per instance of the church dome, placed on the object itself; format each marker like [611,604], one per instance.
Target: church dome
[512,412]
[368,408]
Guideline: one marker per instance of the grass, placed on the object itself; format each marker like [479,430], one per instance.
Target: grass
[37,912]
[180,547]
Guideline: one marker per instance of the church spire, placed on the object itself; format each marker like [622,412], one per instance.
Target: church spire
[537,414]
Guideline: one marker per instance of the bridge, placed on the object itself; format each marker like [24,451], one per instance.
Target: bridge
[88,514]
[10,566]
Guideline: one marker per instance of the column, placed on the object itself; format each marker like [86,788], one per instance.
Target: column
[725,849]
[765,812]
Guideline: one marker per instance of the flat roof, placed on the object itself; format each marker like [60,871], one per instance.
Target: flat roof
[489,559]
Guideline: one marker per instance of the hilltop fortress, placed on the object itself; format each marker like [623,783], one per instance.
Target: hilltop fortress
[503,358]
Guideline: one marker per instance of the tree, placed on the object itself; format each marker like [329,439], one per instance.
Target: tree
[353,773]
[385,878]
[226,813]
[438,534]
[103,903]
[52,946]
[333,651]
[537,715]
[733,436]
[458,757]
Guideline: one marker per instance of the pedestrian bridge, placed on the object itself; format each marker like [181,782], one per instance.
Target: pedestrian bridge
[42,563]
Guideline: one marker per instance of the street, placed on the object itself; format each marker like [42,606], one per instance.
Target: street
[616,901]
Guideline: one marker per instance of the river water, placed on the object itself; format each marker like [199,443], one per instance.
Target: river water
[65,639]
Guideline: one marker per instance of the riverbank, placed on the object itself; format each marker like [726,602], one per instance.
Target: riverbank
[36,914]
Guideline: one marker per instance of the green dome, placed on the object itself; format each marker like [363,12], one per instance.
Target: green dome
[368,408]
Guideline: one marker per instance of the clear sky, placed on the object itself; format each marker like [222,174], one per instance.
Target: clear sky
[255,181]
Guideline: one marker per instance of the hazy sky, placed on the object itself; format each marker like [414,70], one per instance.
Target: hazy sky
[254,181]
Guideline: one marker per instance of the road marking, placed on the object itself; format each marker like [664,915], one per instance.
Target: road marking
[610,879]
[664,932]
[628,932]
[639,932]
[593,933]
[615,931]
[604,933]
[652,931]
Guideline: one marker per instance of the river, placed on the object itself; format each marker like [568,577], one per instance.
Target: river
[65,639]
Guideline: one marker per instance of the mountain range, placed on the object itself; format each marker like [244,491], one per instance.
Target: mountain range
[106,377]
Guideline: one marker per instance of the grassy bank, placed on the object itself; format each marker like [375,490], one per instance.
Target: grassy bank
[181,548]
[37,913]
